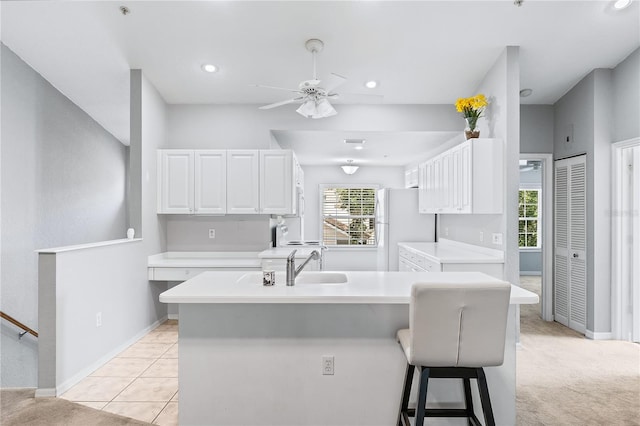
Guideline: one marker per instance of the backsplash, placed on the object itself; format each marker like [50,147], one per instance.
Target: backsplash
[232,233]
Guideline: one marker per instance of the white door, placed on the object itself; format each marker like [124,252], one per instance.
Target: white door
[243,182]
[175,181]
[210,182]
[277,189]
[570,272]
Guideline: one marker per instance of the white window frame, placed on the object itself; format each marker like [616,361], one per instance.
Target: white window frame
[321,189]
[538,219]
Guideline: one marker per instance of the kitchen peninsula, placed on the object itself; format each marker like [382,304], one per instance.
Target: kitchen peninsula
[258,355]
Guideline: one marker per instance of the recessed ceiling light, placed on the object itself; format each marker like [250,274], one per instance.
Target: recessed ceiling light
[358,147]
[371,84]
[525,92]
[209,68]
[621,4]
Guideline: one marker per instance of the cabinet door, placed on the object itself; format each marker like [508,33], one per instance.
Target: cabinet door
[455,183]
[210,182]
[437,184]
[243,182]
[422,188]
[175,181]
[465,186]
[277,188]
[446,181]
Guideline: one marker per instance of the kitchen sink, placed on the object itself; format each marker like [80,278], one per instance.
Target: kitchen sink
[305,278]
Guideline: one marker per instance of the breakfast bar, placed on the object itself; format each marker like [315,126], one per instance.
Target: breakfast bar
[322,352]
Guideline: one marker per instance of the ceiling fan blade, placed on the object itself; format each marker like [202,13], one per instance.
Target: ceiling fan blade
[333,81]
[275,87]
[277,104]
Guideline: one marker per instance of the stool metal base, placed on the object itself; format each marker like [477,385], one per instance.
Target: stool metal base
[463,373]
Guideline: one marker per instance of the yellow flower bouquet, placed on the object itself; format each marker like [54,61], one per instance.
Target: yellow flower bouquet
[472,108]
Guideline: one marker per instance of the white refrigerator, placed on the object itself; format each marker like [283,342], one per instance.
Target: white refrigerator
[398,220]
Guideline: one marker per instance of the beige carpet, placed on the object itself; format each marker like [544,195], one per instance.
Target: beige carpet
[20,408]
[565,379]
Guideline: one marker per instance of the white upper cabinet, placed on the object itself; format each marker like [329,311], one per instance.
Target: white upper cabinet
[244,181]
[210,186]
[175,181]
[277,185]
[191,182]
[411,177]
[468,178]
[243,185]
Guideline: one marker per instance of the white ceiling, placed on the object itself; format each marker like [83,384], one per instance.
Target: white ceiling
[421,52]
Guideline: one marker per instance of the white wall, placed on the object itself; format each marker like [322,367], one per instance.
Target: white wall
[245,126]
[501,86]
[64,182]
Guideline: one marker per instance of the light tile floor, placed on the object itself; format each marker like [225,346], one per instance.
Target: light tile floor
[141,382]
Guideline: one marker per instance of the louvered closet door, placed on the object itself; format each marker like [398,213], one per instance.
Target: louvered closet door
[570,274]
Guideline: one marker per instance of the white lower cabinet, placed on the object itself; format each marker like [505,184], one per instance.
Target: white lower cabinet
[411,260]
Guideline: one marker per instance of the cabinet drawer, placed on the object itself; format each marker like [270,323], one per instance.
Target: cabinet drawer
[431,266]
[183,274]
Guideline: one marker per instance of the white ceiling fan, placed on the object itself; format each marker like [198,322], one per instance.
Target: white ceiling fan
[313,97]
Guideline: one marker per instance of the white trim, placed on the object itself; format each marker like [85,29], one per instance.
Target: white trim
[76,378]
[88,246]
[321,188]
[546,232]
[618,298]
[531,273]
[597,335]
[173,316]
[530,186]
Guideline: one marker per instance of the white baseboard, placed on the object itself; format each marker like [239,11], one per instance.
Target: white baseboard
[607,335]
[67,384]
[532,273]
[45,393]
[173,316]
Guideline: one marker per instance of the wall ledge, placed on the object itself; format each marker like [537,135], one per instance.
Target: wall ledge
[87,246]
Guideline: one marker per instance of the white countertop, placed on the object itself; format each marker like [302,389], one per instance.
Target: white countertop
[186,259]
[361,288]
[447,251]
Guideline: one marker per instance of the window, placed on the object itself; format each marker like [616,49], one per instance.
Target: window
[528,208]
[348,216]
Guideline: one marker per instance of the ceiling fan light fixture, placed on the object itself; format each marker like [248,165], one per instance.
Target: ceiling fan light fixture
[350,168]
[324,109]
[319,109]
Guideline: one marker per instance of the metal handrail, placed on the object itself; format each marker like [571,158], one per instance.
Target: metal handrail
[19,325]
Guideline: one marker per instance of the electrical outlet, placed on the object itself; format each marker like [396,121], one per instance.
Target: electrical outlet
[496,239]
[481,236]
[99,319]
[327,366]
[212,233]
[446,231]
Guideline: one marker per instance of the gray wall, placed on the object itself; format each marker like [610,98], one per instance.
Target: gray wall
[63,182]
[601,109]
[626,92]
[536,129]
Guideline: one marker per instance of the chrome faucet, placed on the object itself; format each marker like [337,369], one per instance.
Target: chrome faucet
[292,271]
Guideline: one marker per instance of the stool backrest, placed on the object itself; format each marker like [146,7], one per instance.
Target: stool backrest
[458,325]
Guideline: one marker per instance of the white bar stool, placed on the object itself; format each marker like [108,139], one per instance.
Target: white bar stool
[454,331]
